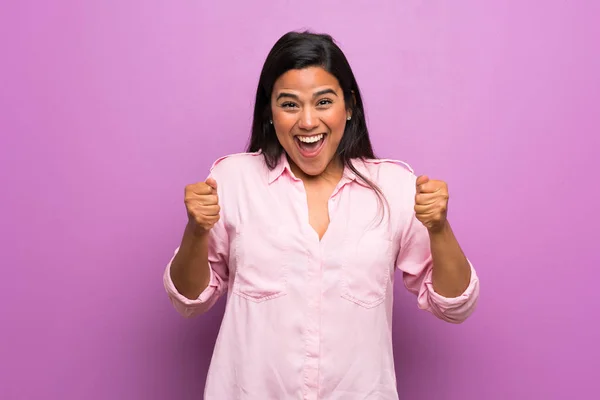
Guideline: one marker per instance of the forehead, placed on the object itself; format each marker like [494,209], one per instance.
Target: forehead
[306,80]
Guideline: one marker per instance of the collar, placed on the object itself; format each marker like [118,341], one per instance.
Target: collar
[281,166]
[361,166]
[348,175]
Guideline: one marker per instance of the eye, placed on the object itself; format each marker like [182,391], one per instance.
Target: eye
[288,104]
[324,102]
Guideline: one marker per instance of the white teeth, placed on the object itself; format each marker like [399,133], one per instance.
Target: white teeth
[310,139]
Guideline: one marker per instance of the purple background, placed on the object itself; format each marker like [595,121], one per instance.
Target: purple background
[108,108]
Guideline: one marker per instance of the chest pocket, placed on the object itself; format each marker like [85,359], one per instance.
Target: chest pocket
[262,262]
[366,267]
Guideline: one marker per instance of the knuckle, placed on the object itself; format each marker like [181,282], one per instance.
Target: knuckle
[190,196]
[191,187]
[190,207]
[199,187]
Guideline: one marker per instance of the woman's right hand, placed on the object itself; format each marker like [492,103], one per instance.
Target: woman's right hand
[202,205]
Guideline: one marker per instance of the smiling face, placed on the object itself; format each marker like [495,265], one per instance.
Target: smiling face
[309,116]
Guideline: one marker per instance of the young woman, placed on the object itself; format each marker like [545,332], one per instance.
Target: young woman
[304,232]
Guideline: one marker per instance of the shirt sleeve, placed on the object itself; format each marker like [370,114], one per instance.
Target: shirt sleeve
[218,260]
[416,263]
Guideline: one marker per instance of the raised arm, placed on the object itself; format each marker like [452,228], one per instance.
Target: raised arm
[197,274]
[433,264]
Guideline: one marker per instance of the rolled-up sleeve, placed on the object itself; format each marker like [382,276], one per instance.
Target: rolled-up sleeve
[209,296]
[416,263]
[451,309]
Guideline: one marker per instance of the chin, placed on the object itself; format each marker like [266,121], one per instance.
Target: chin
[314,167]
[312,170]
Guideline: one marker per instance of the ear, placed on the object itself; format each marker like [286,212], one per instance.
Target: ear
[351,107]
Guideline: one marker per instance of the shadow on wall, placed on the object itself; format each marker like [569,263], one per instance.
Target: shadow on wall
[197,348]
[188,347]
[416,342]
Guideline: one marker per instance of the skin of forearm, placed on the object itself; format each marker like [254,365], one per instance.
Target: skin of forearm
[451,269]
[190,269]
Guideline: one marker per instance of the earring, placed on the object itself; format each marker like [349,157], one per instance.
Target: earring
[271,121]
[349,118]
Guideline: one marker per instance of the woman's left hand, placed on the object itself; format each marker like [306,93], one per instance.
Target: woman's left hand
[431,203]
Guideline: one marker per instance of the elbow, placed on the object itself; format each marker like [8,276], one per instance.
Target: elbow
[455,310]
[191,304]
[191,312]
[457,317]
[462,312]
[189,308]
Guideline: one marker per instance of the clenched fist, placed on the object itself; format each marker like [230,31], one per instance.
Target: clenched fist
[202,204]
[431,203]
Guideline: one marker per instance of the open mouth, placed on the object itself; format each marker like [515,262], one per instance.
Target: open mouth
[310,145]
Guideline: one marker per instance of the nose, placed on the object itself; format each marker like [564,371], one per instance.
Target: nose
[307,119]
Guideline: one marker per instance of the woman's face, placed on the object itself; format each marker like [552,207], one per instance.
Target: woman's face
[309,116]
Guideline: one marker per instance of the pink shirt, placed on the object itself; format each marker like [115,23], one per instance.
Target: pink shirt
[308,318]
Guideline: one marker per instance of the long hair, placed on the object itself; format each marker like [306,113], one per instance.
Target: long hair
[298,50]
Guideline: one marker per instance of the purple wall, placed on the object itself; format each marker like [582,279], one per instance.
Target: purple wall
[108,108]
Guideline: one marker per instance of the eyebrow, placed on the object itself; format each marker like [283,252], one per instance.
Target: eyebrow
[316,94]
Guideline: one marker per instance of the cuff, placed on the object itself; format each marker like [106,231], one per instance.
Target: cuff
[458,308]
[174,293]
